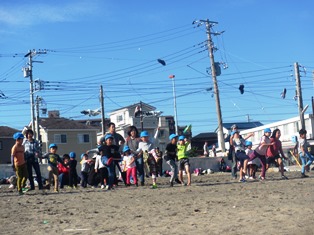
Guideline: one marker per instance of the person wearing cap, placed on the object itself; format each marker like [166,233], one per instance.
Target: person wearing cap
[231,152]
[183,159]
[252,165]
[73,177]
[109,152]
[306,157]
[238,144]
[53,159]
[17,154]
[119,141]
[129,162]
[63,171]
[145,151]
[32,152]
[260,151]
[171,158]
[274,153]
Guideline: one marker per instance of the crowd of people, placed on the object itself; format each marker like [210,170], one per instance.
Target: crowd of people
[138,157]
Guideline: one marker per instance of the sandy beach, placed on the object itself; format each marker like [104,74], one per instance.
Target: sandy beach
[214,204]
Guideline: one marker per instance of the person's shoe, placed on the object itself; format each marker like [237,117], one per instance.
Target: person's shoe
[136,184]
[21,193]
[171,184]
[24,190]
[142,184]
[154,186]
[251,178]
[11,186]
[183,184]
[283,177]
[102,187]
[177,181]
[304,175]
[307,168]
[242,180]
[56,191]
[107,187]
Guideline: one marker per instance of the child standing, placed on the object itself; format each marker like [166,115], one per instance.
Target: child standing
[53,159]
[84,169]
[183,159]
[17,154]
[72,170]
[304,153]
[144,149]
[129,162]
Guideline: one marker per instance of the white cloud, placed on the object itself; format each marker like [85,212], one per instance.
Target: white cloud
[26,14]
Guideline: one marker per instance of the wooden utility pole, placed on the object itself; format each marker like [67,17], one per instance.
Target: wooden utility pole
[210,46]
[101,98]
[299,94]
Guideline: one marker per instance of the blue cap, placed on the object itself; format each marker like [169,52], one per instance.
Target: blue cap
[248,143]
[83,155]
[267,130]
[108,136]
[144,134]
[18,135]
[172,136]
[53,146]
[181,137]
[126,148]
[72,155]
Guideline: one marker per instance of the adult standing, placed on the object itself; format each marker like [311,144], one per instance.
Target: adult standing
[32,152]
[119,141]
[206,149]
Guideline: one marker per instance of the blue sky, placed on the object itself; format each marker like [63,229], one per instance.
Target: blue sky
[117,43]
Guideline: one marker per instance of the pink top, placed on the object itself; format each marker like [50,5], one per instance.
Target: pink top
[261,149]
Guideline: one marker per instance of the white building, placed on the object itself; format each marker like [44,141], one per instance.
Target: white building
[289,129]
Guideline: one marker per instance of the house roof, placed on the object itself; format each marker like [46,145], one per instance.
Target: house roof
[6,131]
[63,123]
[150,107]
[242,125]
[205,135]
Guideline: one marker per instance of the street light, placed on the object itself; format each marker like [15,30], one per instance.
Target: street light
[174,102]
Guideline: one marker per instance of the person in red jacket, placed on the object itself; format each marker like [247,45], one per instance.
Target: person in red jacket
[275,154]
[64,171]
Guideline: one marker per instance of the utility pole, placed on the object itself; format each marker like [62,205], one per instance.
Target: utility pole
[210,47]
[28,72]
[103,126]
[299,94]
[141,116]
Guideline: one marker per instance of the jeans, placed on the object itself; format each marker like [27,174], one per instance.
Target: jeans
[304,159]
[174,170]
[30,165]
[140,168]
[234,164]
[84,176]
[111,174]
[63,179]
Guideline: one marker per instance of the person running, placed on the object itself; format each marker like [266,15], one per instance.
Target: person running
[238,144]
[32,152]
[183,159]
[304,153]
[275,154]
[251,165]
[53,159]
[171,158]
[17,154]
[260,151]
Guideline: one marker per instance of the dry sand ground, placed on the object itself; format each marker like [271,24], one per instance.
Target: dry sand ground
[214,204]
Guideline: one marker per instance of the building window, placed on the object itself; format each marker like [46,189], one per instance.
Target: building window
[161,133]
[119,118]
[83,138]
[60,138]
